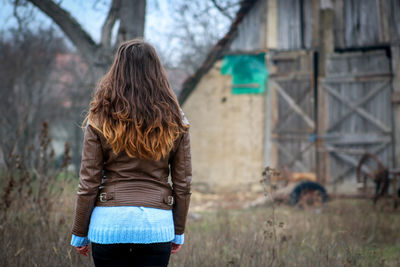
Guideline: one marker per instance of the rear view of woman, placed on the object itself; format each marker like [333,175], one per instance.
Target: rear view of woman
[136,135]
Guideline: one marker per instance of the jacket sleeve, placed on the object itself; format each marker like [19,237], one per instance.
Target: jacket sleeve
[90,177]
[181,176]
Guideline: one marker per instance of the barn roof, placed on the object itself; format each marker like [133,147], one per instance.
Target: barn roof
[216,52]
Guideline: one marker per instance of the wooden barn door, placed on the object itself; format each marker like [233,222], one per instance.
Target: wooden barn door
[357,90]
[293,112]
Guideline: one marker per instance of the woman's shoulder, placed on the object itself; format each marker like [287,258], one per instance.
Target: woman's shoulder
[94,122]
[184,118]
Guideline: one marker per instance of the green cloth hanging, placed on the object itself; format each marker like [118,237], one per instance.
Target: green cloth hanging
[249,73]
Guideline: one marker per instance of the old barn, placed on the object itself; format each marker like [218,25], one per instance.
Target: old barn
[310,84]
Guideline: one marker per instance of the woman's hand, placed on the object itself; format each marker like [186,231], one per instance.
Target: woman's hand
[84,250]
[175,248]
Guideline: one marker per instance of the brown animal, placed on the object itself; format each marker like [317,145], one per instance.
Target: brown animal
[380,176]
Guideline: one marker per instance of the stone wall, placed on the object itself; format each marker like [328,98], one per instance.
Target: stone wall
[227,135]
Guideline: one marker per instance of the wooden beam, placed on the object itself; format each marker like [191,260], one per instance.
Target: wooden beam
[359,110]
[359,77]
[315,5]
[299,154]
[395,51]
[353,162]
[368,96]
[289,112]
[339,24]
[301,76]
[325,47]
[396,97]
[290,156]
[354,139]
[293,104]
[272,24]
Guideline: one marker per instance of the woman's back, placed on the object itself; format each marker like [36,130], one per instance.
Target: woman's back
[136,135]
[120,180]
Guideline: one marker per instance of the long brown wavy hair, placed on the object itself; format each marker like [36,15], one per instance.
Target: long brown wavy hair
[134,106]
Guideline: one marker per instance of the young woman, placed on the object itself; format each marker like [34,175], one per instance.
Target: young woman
[136,135]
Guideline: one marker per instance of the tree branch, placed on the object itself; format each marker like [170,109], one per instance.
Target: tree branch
[108,25]
[69,25]
[221,9]
[216,52]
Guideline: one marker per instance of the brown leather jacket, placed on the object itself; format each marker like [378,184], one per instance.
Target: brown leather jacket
[107,179]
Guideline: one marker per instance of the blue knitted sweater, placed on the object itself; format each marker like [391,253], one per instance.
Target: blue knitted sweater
[129,224]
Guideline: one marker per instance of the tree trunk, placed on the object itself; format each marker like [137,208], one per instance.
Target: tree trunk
[132,19]
[130,14]
[97,56]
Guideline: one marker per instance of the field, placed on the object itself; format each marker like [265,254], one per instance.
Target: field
[342,233]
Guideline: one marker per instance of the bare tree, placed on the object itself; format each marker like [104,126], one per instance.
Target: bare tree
[26,94]
[70,76]
[129,13]
[200,25]
[197,26]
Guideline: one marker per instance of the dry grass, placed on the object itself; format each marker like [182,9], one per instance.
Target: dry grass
[37,213]
[343,233]
[27,240]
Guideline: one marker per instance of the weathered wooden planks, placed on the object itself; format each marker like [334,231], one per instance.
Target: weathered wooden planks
[358,88]
[291,80]
[366,22]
